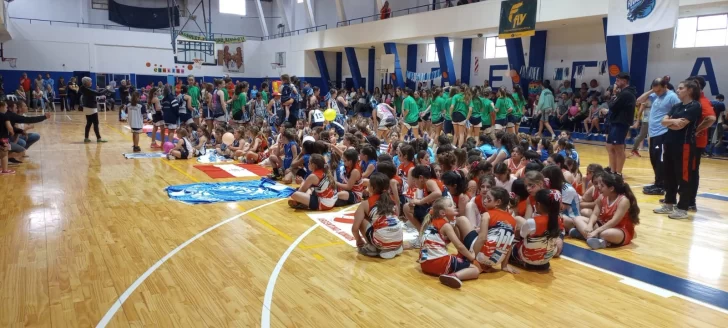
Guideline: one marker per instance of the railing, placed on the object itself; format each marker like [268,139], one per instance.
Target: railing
[124,28]
[296,32]
[399,12]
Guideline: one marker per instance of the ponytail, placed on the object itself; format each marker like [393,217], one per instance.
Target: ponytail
[622,188]
[551,201]
[379,183]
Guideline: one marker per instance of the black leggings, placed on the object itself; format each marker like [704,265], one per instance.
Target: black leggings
[93,119]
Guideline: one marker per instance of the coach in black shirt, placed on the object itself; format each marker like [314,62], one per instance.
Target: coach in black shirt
[621,115]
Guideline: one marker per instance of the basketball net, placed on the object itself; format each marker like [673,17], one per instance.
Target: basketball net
[11,61]
[197,63]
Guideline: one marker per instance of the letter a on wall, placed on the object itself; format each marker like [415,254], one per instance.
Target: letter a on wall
[709,73]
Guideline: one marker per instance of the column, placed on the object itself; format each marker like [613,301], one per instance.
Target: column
[445,58]
[353,66]
[467,55]
[390,48]
[324,71]
[261,16]
[616,54]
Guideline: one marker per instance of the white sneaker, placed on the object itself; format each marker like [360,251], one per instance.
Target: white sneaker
[391,253]
[664,209]
[368,250]
[679,214]
[451,281]
[596,243]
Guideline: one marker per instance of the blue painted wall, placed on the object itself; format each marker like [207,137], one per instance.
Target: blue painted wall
[339,60]
[411,64]
[465,61]
[638,69]
[390,48]
[370,81]
[616,53]
[353,67]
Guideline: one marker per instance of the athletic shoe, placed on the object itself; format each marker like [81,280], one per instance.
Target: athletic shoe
[692,208]
[391,254]
[654,191]
[679,214]
[665,209]
[596,243]
[86,140]
[450,280]
[7,172]
[14,161]
[368,250]
[136,149]
[153,145]
[635,152]
[573,233]
[170,157]
[100,141]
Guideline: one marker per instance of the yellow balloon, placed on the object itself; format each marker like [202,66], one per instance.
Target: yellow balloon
[330,114]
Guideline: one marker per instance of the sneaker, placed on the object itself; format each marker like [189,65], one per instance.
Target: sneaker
[392,253]
[596,243]
[679,214]
[635,152]
[86,140]
[665,209]
[573,233]
[7,172]
[101,141]
[153,145]
[136,149]
[654,191]
[368,250]
[170,157]
[14,161]
[692,208]
[450,280]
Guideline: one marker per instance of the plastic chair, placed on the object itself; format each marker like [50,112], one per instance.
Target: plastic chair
[101,102]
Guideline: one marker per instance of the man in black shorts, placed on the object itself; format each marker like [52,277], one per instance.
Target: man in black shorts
[621,117]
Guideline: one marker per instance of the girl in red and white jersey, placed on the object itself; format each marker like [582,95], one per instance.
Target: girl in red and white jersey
[351,191]
[476,206]
[493,245]
[432,189]
[456,187]
[385,166]
[614,218]
[591,191]
[436,233]
[377,221]
[323,194]
[535,181]
[540,234]
[517,163]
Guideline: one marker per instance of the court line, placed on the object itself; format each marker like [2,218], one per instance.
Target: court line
[180,171]
[268,299]
[125,295]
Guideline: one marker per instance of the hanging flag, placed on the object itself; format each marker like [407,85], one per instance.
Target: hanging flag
[517,18]
[639,16]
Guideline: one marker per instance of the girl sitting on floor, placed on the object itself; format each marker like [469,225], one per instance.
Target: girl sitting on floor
[539,235]
[183,149]
[503,176]
[377,221]
[589,199]
[476,206]
[256,151]
[517,163]
[351,190]
[614,217]
[323,193]
[436,233]
[417,208]
[493,245]
[386,167]
[519,189]
[456,187]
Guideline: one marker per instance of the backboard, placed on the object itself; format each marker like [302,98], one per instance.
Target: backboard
[189,50]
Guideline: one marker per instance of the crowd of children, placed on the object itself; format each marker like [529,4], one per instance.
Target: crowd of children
[503,199]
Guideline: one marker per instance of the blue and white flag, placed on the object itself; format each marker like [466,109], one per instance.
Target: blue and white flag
[206,193]
[640,16]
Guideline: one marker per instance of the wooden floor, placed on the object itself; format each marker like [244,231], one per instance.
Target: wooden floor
[79,224]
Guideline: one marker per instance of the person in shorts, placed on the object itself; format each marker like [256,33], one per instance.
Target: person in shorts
[170,111]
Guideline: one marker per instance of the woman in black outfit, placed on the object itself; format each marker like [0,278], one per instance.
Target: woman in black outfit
[679,150]
[90,109]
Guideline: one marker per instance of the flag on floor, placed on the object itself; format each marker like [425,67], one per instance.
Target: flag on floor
[207,193]
[144,155]
[640,16]
[222,171]
[340,223]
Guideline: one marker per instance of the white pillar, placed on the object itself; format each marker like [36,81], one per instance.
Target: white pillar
[309,13]
[340,10]
[261,16]
[379,4]
[284,15]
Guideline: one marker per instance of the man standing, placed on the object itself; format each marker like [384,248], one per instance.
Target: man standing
[707,118]
[194,92]
[662,100]
[621,115]
[25,82]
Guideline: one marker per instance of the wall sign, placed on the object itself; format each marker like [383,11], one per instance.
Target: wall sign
[517,18]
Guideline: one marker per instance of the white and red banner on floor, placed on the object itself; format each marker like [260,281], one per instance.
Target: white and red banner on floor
[339,224]
[222,171]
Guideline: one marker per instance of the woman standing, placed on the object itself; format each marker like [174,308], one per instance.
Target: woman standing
[62,93]
[73,97]
[679,150]
[90,109]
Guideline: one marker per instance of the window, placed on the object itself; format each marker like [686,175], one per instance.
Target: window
[100,4]
[235,7]
[701,31]
[495,48]
[299,1]
[432,52]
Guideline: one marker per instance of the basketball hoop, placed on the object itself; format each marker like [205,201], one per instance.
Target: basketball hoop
[276,66]
[197,63]
[11,61]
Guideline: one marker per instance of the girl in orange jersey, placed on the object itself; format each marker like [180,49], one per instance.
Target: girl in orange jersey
[416,209]
[477,170]
[436,233]
[323,194]
[476,206]
[456,186]
[377,221]
[493,245]
[519,190]
[540,234]
[517,163]
[535,181]
[591,192]
[351,191]
[615,215]
[385,166]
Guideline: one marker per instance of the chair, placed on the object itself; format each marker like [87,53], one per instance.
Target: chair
[101,102]
[11,97]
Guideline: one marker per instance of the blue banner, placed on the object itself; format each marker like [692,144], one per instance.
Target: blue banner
[207,193]
[420,77]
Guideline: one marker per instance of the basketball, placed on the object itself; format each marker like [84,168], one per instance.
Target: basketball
[167,147]
[614,70]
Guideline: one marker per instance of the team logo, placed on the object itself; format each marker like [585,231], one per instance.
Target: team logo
[516,18]
[638,9]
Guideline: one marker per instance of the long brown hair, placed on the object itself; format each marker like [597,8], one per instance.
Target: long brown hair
[379,183]
[151,95]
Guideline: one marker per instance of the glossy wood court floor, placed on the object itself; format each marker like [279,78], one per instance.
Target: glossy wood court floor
[89,238]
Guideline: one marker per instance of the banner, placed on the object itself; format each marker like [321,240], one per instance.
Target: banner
[640,16]
[339,224]
[207,193]
[421,77]
[517,19]
[222,171]
[232,58]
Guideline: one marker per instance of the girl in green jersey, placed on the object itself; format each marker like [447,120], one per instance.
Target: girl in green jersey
[520,105]
[487,111]
[503,107]
[461,109]
[436,113]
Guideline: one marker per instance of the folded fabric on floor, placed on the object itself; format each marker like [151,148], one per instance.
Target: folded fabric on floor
[144,155]
[207,193]
[222,171]
[211,157]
